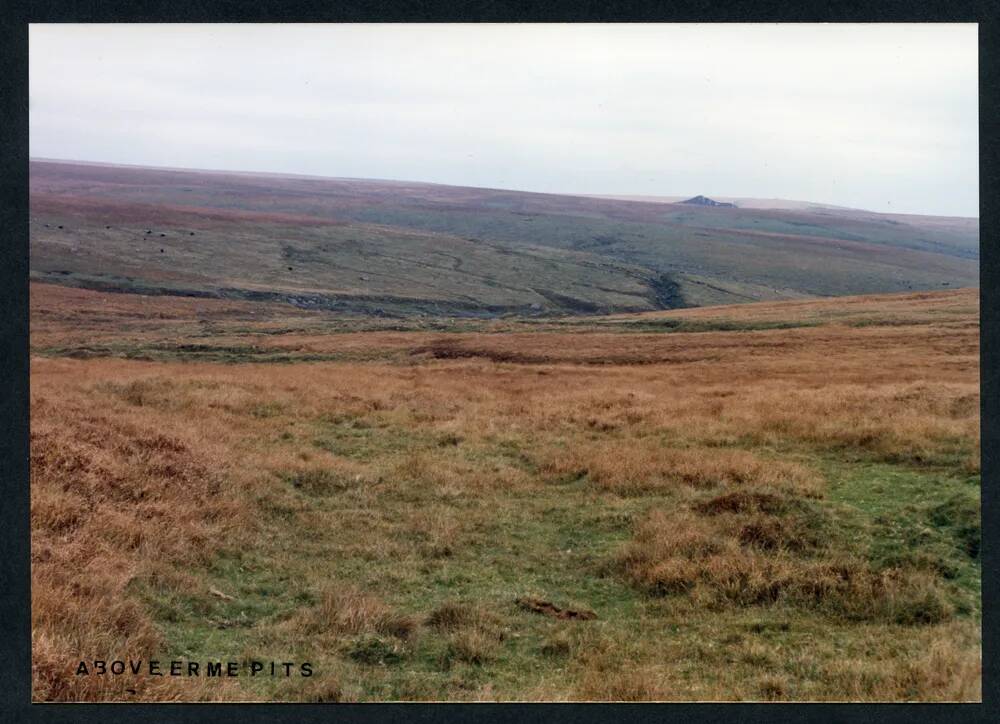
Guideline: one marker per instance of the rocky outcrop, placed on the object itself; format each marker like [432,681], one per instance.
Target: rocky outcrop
[705,201]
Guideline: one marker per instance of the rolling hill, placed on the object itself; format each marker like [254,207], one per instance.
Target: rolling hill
[404,248]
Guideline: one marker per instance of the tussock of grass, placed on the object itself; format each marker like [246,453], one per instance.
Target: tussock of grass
[648,466]
[472,646]
[349,611]
[622,686]
[473,634]
[457,615]
[752,561]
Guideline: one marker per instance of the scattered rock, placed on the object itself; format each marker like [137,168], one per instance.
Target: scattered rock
[536,605]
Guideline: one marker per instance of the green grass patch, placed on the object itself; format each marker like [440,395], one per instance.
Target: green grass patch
[455,565]
[916,519]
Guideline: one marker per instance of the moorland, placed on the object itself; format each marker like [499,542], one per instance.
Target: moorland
[767,501]
[451,443]
[405,249]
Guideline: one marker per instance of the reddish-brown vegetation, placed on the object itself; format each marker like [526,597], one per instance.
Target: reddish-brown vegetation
[419,488]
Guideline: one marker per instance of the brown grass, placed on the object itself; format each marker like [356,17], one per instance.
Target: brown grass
[143,472]
[349,611]
[112,500]
[647,465]
[742,560]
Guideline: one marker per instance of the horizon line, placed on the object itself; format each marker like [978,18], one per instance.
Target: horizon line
[621,197]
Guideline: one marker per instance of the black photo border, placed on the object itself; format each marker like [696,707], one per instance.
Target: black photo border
[15,619]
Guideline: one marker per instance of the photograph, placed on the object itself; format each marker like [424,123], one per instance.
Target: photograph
[504,362]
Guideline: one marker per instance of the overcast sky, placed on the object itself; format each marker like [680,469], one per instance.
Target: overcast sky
[881,117]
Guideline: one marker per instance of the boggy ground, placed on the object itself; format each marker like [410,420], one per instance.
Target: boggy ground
[763,502]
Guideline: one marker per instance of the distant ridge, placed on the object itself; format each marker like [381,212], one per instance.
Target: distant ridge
[395,248]
[705,201]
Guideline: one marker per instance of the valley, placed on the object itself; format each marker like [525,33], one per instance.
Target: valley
[408,249]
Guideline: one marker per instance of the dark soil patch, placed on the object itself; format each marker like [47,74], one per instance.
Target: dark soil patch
[536,605]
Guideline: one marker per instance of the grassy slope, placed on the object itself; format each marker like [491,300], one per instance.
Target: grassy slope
[407,248]
[773,501]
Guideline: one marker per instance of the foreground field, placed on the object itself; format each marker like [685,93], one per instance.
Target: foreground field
[775,501]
